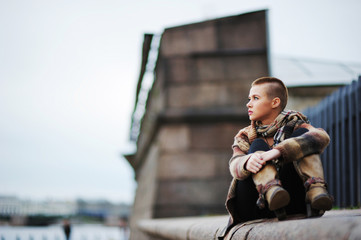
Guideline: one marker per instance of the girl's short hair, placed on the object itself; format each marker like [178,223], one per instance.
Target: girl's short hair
[276,88]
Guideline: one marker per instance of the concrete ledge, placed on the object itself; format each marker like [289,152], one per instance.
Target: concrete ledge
[184,228]
[336,224]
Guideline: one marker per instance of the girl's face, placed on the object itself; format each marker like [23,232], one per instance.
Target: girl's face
[260,107]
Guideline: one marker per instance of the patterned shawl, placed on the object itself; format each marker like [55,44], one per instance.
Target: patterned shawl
[281,128]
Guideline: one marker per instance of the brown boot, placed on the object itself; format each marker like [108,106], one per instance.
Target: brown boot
[270,189]
[311,171]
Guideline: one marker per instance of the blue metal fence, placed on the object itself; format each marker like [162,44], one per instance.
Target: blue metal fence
[340,115]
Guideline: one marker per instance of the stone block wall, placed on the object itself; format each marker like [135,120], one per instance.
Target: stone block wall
[194,109]
[193,174]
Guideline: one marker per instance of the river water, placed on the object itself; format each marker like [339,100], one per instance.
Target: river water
[55,232]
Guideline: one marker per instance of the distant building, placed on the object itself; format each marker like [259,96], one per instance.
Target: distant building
[10,206]
[19,209]
[102,209]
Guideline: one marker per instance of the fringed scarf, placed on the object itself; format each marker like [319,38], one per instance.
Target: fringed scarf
[281,128]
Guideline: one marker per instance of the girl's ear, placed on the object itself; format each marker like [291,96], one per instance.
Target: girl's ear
[276,102]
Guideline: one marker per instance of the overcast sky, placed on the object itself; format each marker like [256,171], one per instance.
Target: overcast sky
[69,69]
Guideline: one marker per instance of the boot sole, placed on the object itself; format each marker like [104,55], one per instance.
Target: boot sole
[280,214]
[322,202]
[312,212]
[280,198]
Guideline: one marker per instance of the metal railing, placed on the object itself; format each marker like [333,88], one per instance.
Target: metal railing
[340,115]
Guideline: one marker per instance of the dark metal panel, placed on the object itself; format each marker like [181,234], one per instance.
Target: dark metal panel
[344,152]
[343,160]
[325,155]
[358,137]
[351,147]
[331,148]
[340,115]
[337,149]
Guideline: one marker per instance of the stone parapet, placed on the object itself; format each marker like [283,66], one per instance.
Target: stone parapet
[336,224]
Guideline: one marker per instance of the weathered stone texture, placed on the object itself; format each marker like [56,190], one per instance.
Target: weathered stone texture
[193,175]
[214,136]
[245,32]
[336,224]
[197,95]
[245,68]
[198,165]
[216,67]
[174,138]
[192,192]
[187,39]
[164,210]
[212,81]
[145,194]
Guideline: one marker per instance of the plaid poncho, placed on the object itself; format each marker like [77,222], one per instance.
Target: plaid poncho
[312,142]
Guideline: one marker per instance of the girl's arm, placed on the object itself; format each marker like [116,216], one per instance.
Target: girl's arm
[237,164]
[312,142]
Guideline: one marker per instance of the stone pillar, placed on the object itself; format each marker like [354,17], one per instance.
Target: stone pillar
[196,106]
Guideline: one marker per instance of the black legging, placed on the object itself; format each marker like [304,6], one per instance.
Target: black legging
[247,195]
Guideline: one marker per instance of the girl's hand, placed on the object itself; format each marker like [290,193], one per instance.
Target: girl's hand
[270,155]
[255,162]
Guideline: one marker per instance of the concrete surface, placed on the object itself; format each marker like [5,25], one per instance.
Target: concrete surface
[336,224]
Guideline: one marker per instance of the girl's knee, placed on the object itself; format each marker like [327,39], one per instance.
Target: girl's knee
[299,132]
[258,145]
